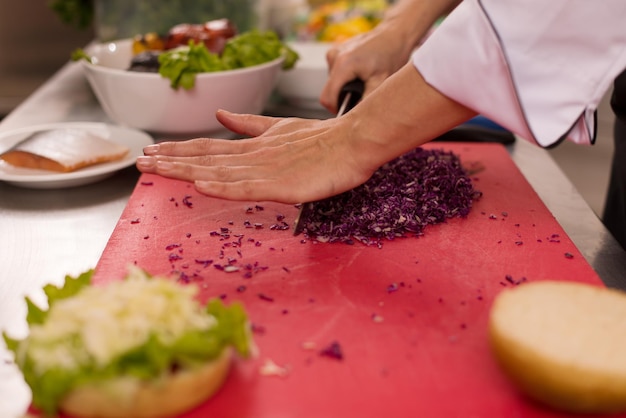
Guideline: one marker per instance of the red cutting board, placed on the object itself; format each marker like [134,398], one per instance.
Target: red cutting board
[410,318]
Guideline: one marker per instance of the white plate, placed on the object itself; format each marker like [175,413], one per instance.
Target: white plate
[42,179]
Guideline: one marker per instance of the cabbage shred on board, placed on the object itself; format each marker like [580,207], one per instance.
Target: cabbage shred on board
[420,188]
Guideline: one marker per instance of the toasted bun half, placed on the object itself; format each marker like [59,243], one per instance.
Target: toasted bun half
[169,396]
[563,344]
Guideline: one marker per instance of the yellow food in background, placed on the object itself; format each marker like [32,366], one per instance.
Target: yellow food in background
[337,32]
[340,20]
[148,42]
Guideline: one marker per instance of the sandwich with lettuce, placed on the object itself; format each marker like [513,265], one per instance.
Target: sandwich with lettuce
[140,347]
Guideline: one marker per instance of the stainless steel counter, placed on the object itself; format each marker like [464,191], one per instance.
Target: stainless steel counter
[45,234]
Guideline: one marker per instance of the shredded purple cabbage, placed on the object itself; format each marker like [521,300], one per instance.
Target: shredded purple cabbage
[421,188]
[333,351]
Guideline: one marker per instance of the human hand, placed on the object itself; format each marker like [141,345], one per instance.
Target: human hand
[287,160]
[293,160]
[375,55]
[372,56]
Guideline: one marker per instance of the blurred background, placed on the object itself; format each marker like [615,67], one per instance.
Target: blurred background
[35,43]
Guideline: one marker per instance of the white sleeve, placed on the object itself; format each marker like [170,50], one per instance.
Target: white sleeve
[537,67]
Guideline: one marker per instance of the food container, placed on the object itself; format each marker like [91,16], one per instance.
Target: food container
[146,101]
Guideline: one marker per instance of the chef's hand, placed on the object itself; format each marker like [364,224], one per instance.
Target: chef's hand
[372,56]
[375,55]
[287,160]
[293,160]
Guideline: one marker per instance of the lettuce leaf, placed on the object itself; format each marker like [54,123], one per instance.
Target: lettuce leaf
[36,315]
[54,383]
[233,325]
[180,65]
[151,360]
[255,47]
[71,286]
[80,54]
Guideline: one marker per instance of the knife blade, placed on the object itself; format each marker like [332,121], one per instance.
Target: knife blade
[350,94]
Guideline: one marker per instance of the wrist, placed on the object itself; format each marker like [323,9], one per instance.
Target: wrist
[403,113]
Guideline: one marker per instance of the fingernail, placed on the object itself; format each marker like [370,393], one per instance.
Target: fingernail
[151,149]
[164,165]
[145,162]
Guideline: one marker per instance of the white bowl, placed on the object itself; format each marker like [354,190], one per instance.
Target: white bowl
[146,101]
[302,85]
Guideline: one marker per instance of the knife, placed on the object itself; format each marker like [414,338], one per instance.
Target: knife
[350,94]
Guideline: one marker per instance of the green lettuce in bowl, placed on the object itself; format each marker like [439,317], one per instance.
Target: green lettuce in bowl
[251,48]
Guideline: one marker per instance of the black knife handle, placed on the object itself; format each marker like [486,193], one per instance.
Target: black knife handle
[356,88]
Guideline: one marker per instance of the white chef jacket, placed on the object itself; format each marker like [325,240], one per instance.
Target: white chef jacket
[536,67]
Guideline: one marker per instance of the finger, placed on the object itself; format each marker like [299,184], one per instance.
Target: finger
[243,124]
[198,146]
[228,182]
[218,166]
[191,172]
[330,92]
[207,160]
[331,55]
[146,164]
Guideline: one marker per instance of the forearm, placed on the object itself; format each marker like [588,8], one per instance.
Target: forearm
[410,20]
[403,113]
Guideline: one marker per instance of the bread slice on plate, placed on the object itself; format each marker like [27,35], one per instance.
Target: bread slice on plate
[563,344]
[64,150]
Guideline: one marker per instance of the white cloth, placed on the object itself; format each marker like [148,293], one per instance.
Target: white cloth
[537,67]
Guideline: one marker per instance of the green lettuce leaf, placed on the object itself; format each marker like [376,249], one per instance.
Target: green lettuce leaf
[256,47]
[36,315]
[233,325]
[49,387]
[180,65]
[11,343]
[80,54]
[71,286]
